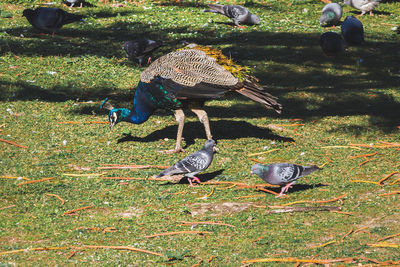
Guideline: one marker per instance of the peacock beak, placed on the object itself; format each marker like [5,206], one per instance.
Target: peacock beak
[111,126]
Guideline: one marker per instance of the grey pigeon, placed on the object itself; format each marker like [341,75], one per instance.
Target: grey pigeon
[140,49]
[49,19]
[332,43]
[238,14]
[282,173]
[194,163]
[331,14]
[363,5]
[353,31]
[72,3]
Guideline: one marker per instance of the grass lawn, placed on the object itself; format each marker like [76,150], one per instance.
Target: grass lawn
[329,104]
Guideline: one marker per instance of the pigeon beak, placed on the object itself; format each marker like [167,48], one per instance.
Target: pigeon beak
[215,149]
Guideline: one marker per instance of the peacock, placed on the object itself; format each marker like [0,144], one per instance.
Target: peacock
[185,79]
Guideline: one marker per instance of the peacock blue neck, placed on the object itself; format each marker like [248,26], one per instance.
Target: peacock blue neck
[142,108]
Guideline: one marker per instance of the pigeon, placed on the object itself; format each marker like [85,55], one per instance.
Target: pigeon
[72,3]
[282,173]
[140,49]
[353,31]
[332,43]
[49,19]
[194,163]
[331,14]
[238,14]
[363,5]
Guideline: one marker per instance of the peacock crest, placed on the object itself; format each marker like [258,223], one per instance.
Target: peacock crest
[240,72]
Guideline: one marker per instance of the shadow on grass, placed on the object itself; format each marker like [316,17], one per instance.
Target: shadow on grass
[289,65]
[221,129]
[296,188]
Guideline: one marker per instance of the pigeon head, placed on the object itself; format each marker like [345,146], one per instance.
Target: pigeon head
[328,16]
[211,145]
[258,169]
[28,13]
[125,45]
[255,19]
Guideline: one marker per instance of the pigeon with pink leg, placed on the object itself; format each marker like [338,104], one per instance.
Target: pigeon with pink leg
[285,174]
[194,163]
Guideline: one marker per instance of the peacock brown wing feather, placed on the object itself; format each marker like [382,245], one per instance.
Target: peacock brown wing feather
[188,68]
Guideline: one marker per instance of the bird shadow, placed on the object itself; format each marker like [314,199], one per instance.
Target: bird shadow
[297,188]
[202,177]
[221,129]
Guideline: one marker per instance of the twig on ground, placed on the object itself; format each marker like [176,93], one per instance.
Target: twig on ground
[124,248]
[388,237]
[324,245]
[36,181]
[348,233]
[364,155]
[315,201]
[198,263]
[177,233]
[12,143]
[364,181]
[390,193]
[135,178]
[302,209]
[112,167]
[83,122]
[261,153]
[214,223]
[268,191]
[317,261]
[380,182]
[251,196]
[73,211]
[384,245]
[342,212]
[8,207]
[82,174]
[353,147]
[57,196]
[71,254]
[15,177]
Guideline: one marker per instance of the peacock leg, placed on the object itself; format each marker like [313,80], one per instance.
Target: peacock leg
[180,118]
[202,115]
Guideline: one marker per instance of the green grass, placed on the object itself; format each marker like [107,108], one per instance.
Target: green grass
[353,98]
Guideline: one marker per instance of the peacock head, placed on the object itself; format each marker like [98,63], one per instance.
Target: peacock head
[115,115]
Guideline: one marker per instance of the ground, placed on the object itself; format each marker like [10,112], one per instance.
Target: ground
[330,104]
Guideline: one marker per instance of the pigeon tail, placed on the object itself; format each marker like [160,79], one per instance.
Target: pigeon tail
[309,169]
[215,9]
[70,18]
[257,93]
